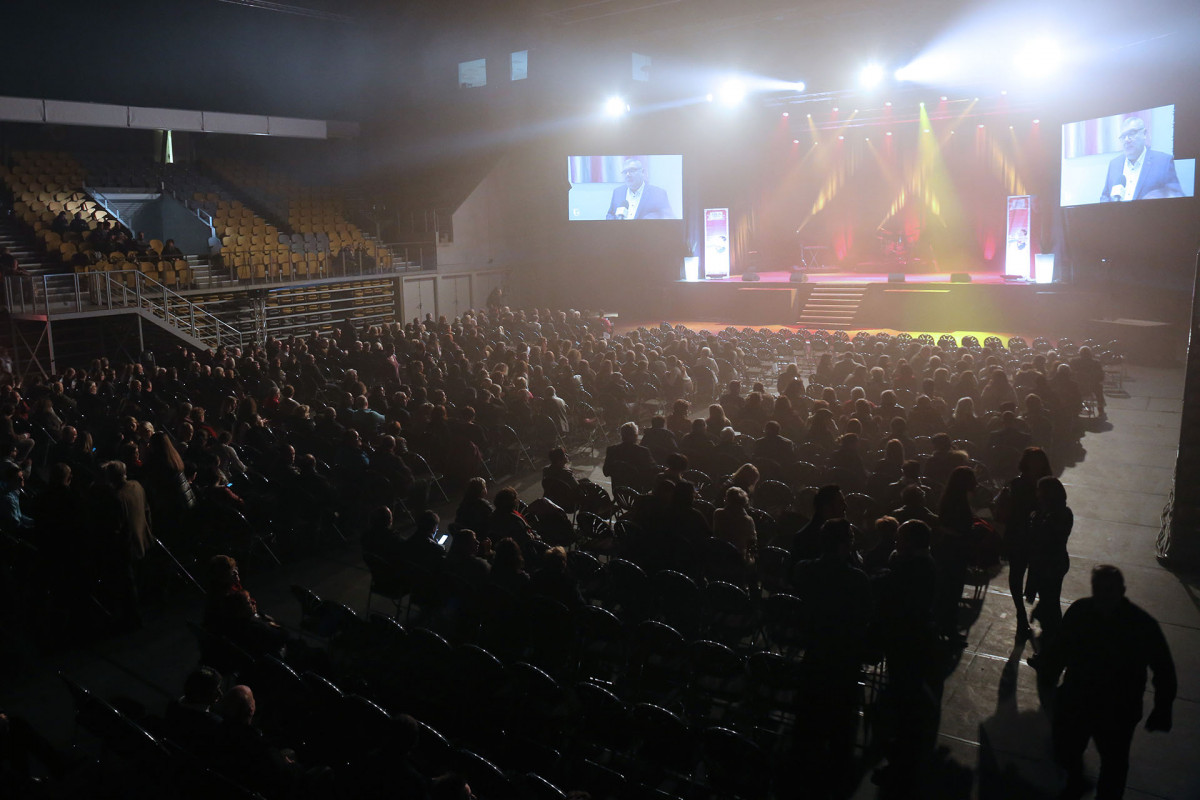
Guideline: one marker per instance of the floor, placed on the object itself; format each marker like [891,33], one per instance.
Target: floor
[994,738]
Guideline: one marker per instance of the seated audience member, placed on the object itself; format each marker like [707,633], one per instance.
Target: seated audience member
[876,559]
[828,504]
[698,444]
[774,447]
[732,401]
[464,561]
[381,538]
[474,512]
[913,499]
[678,422]
[924,419]
[629,453]
[846,459]
[508,568]
[554,579]
[241,751]
[421,547]
[682,519]
[943,460]
[732,522]
[507,522]
[1010,435]
[658,440]
[559,483]
[675,465]
[191,721]
[728,448]
[9,268]
[170,250]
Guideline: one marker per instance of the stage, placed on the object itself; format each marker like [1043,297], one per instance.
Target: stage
[826,276]
[871,300]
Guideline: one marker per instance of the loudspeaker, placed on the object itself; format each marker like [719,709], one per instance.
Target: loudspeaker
[750,276]
[798,277]
[960,277]
[895,277]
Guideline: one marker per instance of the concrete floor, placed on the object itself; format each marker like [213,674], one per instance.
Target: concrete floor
[994,737]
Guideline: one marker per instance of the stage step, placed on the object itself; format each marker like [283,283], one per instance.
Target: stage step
[832,306]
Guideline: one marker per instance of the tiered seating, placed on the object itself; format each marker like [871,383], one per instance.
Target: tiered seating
[44,183]
[318,222]
[320,308]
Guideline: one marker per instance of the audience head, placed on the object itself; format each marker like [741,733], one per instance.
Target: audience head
[629,433]
[238,705]
[829,502]
[476,489]
[427,524]
[506,499]
[736,498]
[913,537]
[202,687]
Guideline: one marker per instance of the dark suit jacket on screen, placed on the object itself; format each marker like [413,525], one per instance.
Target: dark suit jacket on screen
[654,203]
[1158,176]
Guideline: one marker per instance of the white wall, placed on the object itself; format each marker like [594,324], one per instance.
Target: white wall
[488,229]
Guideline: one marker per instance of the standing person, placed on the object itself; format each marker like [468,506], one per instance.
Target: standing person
[120,517]
[1049,529]
[1015,506]
[1105,644]
[903,624]
[951,551]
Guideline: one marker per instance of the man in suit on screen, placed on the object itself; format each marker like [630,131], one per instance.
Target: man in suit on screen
[1139,173]
[637,199]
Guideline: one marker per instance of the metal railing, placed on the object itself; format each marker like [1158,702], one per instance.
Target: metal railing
[81,292]
[187,203]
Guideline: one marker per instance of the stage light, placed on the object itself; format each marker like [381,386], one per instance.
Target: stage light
[708,97]
[800,86]
[888,104]
[810,116]
[795,141]
[835,108]
[981,124]
[1039,57]
[731,92]
[785,114]
[943,98]
[889,133]
[927,130]
[868,138]
[870,76]
[615,106]
[1036,121]
[841,138]
[922,104]
[1004,91]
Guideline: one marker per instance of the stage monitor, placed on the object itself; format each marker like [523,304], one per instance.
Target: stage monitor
[625,187]
[1124,157]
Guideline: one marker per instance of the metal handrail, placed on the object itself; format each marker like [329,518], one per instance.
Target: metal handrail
[80,292]
[200,213]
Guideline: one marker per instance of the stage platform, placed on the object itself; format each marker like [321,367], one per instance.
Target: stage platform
[823,276]
[864,300]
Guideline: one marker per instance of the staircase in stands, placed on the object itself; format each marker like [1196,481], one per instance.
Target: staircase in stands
[832,306]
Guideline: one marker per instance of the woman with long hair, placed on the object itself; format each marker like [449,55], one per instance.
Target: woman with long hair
[1049,528]
[951,551]
[1015,505]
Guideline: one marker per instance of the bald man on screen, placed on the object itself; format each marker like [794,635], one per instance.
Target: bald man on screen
[636,199]
[1139,173]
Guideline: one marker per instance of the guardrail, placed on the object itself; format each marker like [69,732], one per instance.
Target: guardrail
[81,292]
[200,213]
